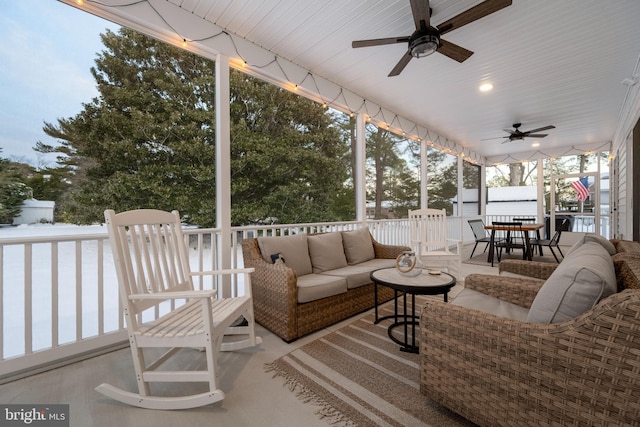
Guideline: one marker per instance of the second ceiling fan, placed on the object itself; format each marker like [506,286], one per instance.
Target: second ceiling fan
[426,40]
[516,134]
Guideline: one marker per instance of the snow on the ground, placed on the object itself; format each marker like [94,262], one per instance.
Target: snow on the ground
[71,291]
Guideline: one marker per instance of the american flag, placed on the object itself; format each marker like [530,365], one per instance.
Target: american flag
[582,187]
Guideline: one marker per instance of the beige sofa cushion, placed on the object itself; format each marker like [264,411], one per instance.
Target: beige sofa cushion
[580,281]
[358,246]
[360,274]
[293,248]
[315,286]
[472,299]
[326,252]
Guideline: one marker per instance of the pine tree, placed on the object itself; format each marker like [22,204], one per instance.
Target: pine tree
[148,141]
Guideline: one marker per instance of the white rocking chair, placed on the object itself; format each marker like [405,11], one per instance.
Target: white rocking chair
[429,240]
[151,258]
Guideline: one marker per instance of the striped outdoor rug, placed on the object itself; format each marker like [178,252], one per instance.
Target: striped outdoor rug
[359,377]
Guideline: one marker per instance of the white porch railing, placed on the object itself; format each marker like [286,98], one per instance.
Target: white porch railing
[59,297]
[583,223]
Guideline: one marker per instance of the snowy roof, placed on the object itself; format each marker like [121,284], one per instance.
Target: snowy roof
[469,195]
[33,203]
[512,194]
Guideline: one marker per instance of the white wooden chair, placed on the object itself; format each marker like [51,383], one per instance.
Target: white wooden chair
[151,259]
[429,239]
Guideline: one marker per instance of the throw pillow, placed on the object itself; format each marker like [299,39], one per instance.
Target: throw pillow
[292,248]
[327,252]
[575,286]
[358,246]
[277,258]
[592,237]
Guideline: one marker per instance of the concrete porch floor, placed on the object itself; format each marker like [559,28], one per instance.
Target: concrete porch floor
[253,397]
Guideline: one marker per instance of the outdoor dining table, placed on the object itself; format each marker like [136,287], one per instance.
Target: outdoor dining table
[526,227]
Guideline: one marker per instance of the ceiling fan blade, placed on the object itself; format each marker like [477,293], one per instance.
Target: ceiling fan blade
[510,131]
[490,139]
[401,64]
[379,42]
[479,11]
[535,135]
[420,11]
[453,51]
[539,129]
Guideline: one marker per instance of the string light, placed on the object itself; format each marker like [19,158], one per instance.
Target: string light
[242,63]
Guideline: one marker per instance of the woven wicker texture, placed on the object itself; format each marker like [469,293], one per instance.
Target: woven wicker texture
[501,372]
[535,269]
[275,296]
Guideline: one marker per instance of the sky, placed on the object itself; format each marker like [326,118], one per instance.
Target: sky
[47,52]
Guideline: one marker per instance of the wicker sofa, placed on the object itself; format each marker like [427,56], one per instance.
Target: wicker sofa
[303,283]
[583,370]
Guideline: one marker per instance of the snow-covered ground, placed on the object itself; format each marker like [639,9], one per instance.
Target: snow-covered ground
[77,287]
[37,230]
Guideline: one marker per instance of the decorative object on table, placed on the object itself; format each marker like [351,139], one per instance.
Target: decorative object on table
[408,264]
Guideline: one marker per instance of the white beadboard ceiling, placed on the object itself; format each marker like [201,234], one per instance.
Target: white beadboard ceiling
[558,62]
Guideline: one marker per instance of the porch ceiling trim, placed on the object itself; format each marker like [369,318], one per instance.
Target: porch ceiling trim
[547,153]
[177,26]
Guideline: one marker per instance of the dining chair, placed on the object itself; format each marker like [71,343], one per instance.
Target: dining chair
[509,237]
[532,234]
[481,235]
[528,219]
[554,241]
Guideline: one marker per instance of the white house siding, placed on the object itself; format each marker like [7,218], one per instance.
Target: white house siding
[515,208]
[510,201]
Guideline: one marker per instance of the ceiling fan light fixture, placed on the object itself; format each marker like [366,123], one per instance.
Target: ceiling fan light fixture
[425,44]
[486,87]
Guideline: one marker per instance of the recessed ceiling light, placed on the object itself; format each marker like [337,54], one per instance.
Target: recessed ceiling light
[535,144]
[486,87]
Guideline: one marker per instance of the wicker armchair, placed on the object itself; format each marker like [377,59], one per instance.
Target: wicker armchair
[496,371]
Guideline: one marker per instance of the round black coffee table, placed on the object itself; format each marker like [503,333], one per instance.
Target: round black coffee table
[423,284]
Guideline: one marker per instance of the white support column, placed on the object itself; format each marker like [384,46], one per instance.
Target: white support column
[423,175]
[360,184]
[223,168]
[461,196]
[540,172]
[483,192]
